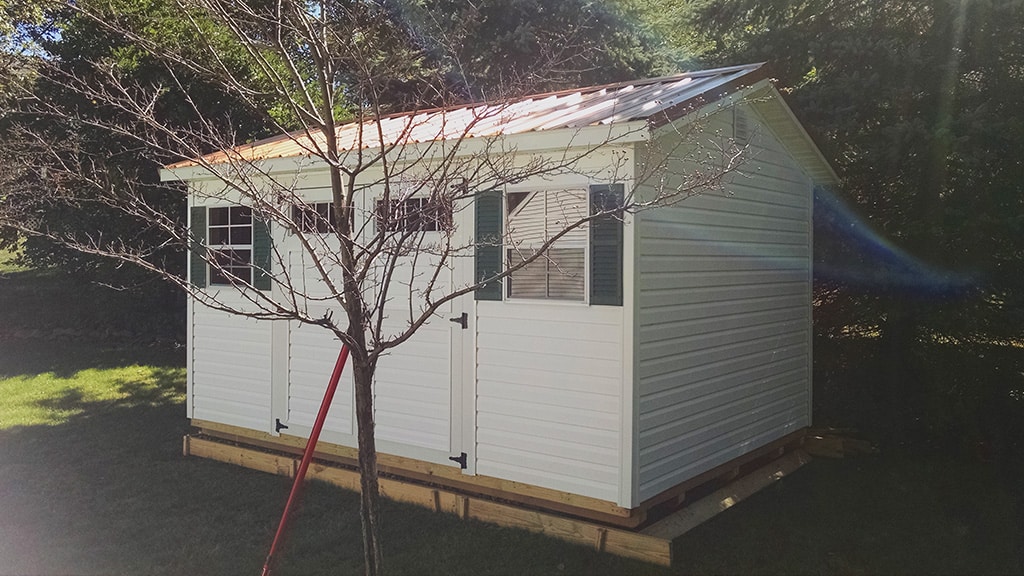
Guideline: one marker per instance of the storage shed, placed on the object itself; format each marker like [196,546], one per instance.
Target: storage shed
[678,345]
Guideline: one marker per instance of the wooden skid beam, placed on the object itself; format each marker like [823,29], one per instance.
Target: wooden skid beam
[682,521]
[240,456]
[615,541]
[448,476]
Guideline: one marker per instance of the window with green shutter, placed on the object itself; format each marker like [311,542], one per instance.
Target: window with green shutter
[588,255]
[238,246]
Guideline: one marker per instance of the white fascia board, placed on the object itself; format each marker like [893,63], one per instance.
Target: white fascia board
[529,142]
[828,176]
[228,170]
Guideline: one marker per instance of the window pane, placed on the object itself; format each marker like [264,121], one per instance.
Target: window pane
[218,216]
[241,215]
[515,199]
[227,258]
[243,274]
[529,281]
[566,207]
[218,276]
[526,221]
[241,235]
[533,219]
[241,257]
[566,269]
[218,236]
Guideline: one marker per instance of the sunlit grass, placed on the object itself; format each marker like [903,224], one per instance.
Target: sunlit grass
[51,399]
[7,263]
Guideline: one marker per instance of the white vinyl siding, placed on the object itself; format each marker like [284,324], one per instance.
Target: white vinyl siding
[230,369]
[549,395]
[413,391]
[723,291]
[312,353]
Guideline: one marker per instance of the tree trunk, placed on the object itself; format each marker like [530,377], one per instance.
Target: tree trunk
[369,499]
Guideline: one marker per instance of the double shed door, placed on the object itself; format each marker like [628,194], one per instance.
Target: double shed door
[423,392]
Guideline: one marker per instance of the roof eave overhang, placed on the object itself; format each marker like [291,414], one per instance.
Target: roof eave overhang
[578,139]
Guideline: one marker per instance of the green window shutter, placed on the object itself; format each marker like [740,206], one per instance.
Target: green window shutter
[488,243]
[197,246]
[261,254]
[606,245]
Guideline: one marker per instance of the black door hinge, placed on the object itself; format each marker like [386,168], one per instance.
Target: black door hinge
[462,320]
[461,459]
[278,426]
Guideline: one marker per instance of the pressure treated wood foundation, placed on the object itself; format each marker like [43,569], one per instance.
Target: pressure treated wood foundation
[644,533]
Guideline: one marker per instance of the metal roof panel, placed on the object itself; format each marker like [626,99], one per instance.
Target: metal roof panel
[596,105]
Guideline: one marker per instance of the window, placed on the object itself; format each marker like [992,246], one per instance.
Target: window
[533,218]
[412,214]
[230,242]
[583,264]
[315,218]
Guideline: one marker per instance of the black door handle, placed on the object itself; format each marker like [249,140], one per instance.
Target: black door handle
[463,320]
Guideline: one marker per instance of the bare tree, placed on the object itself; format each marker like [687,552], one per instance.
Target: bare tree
[392,179]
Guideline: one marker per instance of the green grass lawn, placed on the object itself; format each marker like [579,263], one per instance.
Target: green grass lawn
[92,481]
[7,263]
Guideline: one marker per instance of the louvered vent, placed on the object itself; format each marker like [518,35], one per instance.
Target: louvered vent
[740,127]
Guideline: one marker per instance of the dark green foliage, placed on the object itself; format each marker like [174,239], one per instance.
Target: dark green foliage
[919,254]
[114,172]
[496,48]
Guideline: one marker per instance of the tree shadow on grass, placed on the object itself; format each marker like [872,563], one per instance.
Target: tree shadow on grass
[30,357]
[108,492]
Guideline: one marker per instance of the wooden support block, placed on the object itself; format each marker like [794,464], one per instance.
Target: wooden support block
[347,479]
[184,446]
[437,501]
[688,518]
[602,536]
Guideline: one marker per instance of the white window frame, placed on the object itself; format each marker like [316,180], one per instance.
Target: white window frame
[439,226]
[306,224]
[581,186]
[222,276]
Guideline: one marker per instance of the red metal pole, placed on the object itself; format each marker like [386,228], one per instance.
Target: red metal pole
[307,455]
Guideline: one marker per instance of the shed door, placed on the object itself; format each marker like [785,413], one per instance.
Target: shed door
[418,383]
[418,386]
